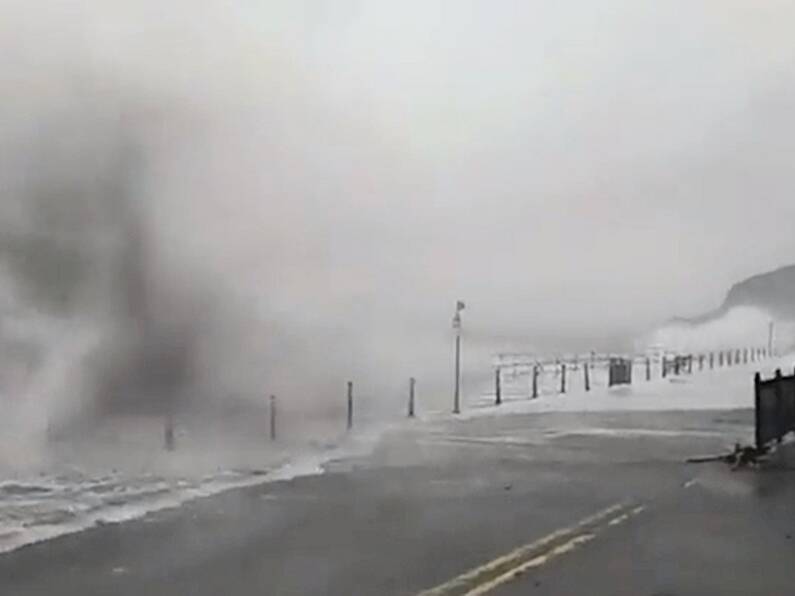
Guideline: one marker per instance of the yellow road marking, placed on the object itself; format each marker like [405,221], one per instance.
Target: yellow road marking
[502,569]
[618,520]
[511,575]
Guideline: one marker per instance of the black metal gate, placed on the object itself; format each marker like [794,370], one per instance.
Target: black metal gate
[620,372]
[774,408]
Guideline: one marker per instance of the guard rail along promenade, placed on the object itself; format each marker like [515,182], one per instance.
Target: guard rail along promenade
[545,376]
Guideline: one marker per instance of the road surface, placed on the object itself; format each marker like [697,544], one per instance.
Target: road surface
[551,504]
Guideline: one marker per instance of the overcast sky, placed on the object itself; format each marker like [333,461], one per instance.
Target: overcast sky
[574,170]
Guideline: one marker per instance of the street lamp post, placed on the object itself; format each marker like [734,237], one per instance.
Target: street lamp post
[457,326]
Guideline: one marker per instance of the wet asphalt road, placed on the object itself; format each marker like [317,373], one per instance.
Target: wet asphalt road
[435,501]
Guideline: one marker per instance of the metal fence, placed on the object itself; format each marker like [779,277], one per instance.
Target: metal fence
[518,375]
[774,408]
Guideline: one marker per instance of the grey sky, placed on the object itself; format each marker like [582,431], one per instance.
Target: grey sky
[348,169]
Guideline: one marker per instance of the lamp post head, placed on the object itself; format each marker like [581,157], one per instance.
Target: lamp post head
[459,306]
[457,321]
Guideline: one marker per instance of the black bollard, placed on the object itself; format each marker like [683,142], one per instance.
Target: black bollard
[563,378]
[585,369]
[350,405]
[497,386]
[412,385]
[168,433]
[273,417]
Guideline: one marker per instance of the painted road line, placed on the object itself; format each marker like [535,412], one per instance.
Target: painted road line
[490,575]
[490,441]
[618,520]
[516,572]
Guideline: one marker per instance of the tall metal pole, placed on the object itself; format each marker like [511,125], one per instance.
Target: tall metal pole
[457,396]
[457,326]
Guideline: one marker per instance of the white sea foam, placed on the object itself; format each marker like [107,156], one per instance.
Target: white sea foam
[47,505]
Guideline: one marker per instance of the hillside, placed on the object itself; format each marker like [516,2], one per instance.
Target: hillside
[773,292]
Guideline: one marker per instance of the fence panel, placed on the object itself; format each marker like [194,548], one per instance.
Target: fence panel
[620,372]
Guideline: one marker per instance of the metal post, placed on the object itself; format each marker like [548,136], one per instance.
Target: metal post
[350,405]
[535,381]
[585,369]
[168,432]
[459,306]
[412,385]
[273,417]
[648,368]
[497,386]
[663,366]
[563,377]
[757,412]
[457,396]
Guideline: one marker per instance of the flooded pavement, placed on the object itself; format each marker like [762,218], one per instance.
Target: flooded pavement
[437,500]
